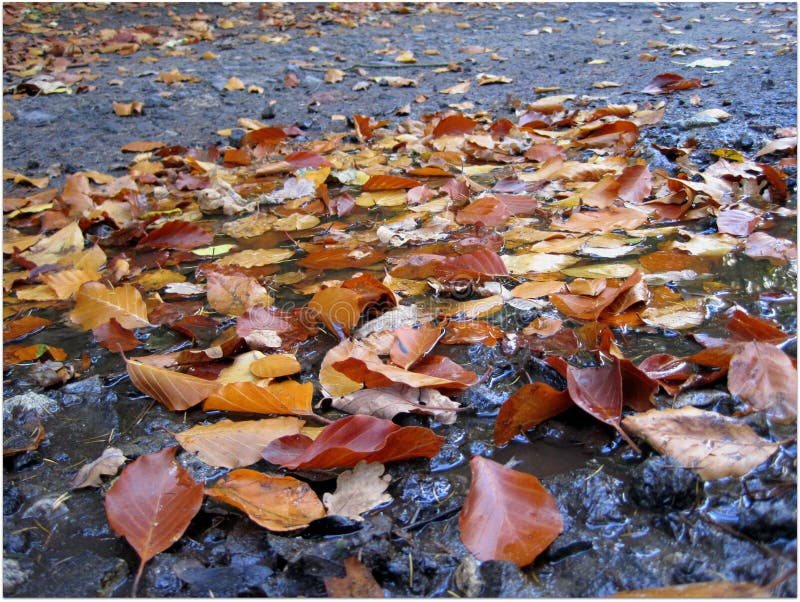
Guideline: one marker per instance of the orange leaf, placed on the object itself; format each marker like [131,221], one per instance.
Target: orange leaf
[470,332]
[635,183]
[410,343]
[745,327]
[289,397]
[17,354]
[22,327]
[267,135]
[233,294]
[358,582]
[142,146]
[175,390]
[454,125]
[507,515]
[326,259]
[152,503]
[66,283]
[275,503]
[339,308]
[385,182]
[277,364]
[532,404]
[95,304]
[177,234]
[763,377]
[604,220]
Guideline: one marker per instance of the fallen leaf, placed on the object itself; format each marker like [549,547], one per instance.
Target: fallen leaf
[709,63]
[387,402]
[358,582]
[175,390]
[764,378]
[275,365]
[233,294]
[285,397]
[275,503]
[676,316]
[152,503]
[177,234]
[114,337]
[358,490]
[234,83]
[106,465]
[713,445]
[351,439]
[339,308]
[412,343]
[704,589]
[231,444]
[507,514]
[22,327]
[95,305]
[142,146]
[530,405]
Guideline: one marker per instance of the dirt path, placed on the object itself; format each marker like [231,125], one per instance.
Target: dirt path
[630,523]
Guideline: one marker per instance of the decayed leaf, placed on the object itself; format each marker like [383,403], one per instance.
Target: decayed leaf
[763,377]
[233,294]
[114,337]
[105,466]
[175,390]
[387,402]
[349,440]
[152,503]
[233,444]
[705,589]
[358,490]
[358,582]
[95,304]
[712,444]
[275,503]
[287,397]
[507,515]
[532,404]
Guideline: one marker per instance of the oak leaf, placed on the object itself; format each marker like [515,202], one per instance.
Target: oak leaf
[358,490]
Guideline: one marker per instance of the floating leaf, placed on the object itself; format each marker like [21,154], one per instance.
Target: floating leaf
[387,402]
[764,378]
[277,364]
[339,308]
[106,465]
[532,404]
[95,304]
[177,234]
[175,390]
[114,337]
[152,503]
[358,490]
[507,515]
[358,582]
[22,327]
[712,444]
[286,397]
[410,343]
[352,439]
[275,503]
[231,444]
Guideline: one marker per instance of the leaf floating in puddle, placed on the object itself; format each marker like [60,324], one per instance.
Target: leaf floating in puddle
[152,503]
[764,378]
[507,515]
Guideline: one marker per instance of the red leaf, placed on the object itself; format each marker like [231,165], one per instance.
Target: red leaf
[494,211]
[334,258]
[306,159]
[507,515]
[532,404]
[764,378]
[544,151]
[384,182]
[470,332]
[443,367]
[115,337]
[456,190]
[411,343]
[177,234]
[152,503]
[745,327]
[454,125]
[363,128]
[482,262]
[635,183]
[667,370]
[267,135]
[736,222]
[350,440]
[670,82]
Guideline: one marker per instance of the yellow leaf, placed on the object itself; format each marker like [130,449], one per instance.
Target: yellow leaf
[234,83]
[405,57]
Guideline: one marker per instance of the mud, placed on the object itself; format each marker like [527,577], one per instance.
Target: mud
[631,521]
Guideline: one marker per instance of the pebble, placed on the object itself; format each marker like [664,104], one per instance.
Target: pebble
[268,112]
[36,118]
[236,136]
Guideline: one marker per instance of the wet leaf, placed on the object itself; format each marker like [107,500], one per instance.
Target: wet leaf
[676,316]
[469,332]
[233,294]
[286,397]
[152,503]
[713,445]
[386,182]
[18,354]
[326,259]
[358,491]
[22,327]
[507,514]
[410,343]
[54,248]
[635,184]
[177,234]
[745,327]
[762,245]
[705,589]
[175,390]
[275,503]
[339,309]
[764,378]
[231,444]
[358,582]
[351,439]
[387,402]
[530,405]
[66,283]
[114,337]
[277,364]
[106,465]
[95,305]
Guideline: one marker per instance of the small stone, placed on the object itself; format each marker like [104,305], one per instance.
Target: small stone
[268,112]
[36,118]
[236,136]
[13,575]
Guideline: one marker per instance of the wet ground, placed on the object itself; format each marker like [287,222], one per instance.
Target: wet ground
[630,521]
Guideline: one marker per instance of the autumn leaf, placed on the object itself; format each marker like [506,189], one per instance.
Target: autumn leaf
[507,514]
[410,344]
[713,445]
[175,390]
[231,444]
[764,378]
[453,126]
[286,397]
[530,405]
[275,365]
[114,337]
[704,589]
[387,402]
[177,234]
[152,503]
[275,503]
[89,475]
[95,305]
[339,309]
[387,182]
[358,582]
[352,439]
[358,490]
[233,294]
[22,327]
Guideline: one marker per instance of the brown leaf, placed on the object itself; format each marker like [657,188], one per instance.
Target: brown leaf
[114,337]
[705,589]
[286,397]
[233,294]
[175,390]
[762,245]
[152,503]
[745,327]
[670,82]
[22,327]
[177,234]
[507,515]
[95,304]
[603,220]
[142,146]
[105,466]
[233,444]
[410,344]
[764,378]
[635,183]
[358,490]
[386,182]
[66,283]
[532,404]
[339,308]
[469,332]
[454,125]
[712,444]
[387,402]
[358,582]
[275,365]
[275,503]
[339,258]
[17,354]
[736,222]
[352,439]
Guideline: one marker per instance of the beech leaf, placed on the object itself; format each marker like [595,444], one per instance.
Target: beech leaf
[358,490]
[704,589]
[106,465]
[763,377]
[275,503]
[286,397]
[507,514]
[95,304]
[358,582]
[177,234]
[532,404]
[175,390]
[152,503]
[709,443]
[410,343]
[387,402]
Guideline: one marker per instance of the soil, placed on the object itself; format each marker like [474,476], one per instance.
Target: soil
[631,521]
